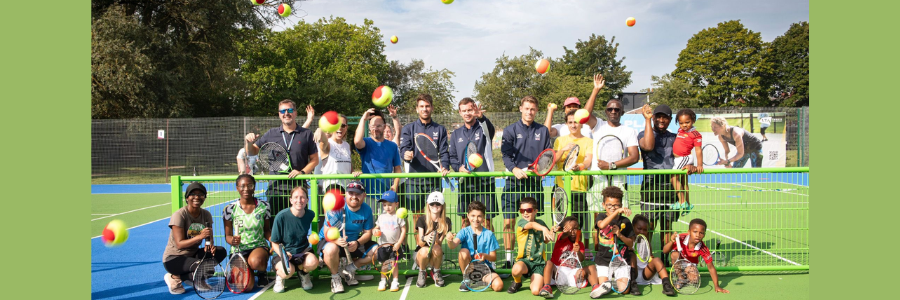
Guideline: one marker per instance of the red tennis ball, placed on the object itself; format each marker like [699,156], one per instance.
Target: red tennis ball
[115,233]
[630,21]
[542,66]
[257,2]
[582,116]
[338,199]
[382,96]
[475,160]
[330,121]
[284,10]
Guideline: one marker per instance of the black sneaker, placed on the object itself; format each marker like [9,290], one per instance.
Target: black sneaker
[463,288]
[634,290]
[514,287]
[668,290]
[262,279]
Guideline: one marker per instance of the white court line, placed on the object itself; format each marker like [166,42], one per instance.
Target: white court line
[131,211]
[406,289]
[100,214]
[265,288]
[745,244]
[807,195]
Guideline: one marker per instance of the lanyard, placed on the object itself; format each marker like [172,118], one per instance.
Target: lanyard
[286,144]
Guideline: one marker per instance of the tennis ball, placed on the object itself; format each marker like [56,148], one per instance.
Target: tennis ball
[338,199]
[382,96]
[553,106]
[258,2]
[330,121]
[115,233]
[475,160]
[447,1]
[394,39]
[376,232]
[328,202]
[542,66]
[332,234]
[284,10]
[401,213]
[582,116]
[313,238]
[630,21]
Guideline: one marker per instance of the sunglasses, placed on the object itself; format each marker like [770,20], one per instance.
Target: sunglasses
[526,210]
[613,109]
[286,111]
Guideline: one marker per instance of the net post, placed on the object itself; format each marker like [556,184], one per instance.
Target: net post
[175,183]
[314,201]
[567,186]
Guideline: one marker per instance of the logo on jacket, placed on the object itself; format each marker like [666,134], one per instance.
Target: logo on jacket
[518,135]
[537,136]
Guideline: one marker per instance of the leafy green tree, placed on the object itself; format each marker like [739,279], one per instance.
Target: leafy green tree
[789,55]
[511,79]
[674,92]
[726,64]
[153,58]
[410,80]
[329,64]
[597,55]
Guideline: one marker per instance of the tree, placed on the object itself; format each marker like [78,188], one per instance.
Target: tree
[329,64]
[725,64]
[408,81]
[674,92]
[789,55]
[168,59]
[511,79]
[597,55]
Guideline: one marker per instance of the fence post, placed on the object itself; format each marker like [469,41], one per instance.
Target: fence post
[176,193]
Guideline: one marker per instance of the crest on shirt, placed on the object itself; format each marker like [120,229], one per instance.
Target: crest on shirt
[518,135]
[537,136]
[434,134]
[459,141]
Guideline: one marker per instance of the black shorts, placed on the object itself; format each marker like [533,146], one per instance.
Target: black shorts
[484,192]
[657,194]
[762,130]
[360,252]
[246,253]
[515,190]
[417,190]
[297,259]
[387,252]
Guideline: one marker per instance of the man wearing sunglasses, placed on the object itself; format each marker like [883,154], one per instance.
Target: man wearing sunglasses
[301,148]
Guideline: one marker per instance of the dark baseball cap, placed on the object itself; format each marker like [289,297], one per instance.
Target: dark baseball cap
[356,187]
[662,108]
[194,186]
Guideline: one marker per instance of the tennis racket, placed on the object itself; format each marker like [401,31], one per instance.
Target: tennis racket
[610,149]
[336,219]
[388,266]
[572,158]
[559,205]
[570,276]
[284,260]
[685,276]
[344,234]
[209,277]
[478,274]
[471,148]
[273,158]
[619,270]
[428,148]
[543,163]
[642,249]
[239,278]
[711,155]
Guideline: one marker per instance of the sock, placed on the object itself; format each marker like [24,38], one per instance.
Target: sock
[517,279]
[438,270]
[509,255]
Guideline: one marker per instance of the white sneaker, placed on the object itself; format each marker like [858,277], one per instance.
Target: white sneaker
[175,286]
[602,289]
[279,284]
[306,281]
[336,285]
[382,285]
[395,285]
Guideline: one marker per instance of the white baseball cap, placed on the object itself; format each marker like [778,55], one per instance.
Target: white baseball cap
[435,197]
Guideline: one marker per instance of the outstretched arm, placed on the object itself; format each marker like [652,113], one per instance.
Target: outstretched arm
[310,114]
[589,106]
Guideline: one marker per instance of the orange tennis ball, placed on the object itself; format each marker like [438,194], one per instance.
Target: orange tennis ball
[330,121]
[394,39]
[284,10]
[376,232]
[630,21]
[542,66]
[313,238]
[475,160]
[582,116]
[382,96]
[115,233]
[332,234]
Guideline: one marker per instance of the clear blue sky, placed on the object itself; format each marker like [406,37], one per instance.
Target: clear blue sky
[467,36]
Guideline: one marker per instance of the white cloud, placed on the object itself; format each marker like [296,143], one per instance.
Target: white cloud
[467,36]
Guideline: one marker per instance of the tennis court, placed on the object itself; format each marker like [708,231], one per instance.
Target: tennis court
[760,219]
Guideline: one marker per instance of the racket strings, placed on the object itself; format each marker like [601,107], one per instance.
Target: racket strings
[611,149]
[572,159]
[642,248]
[559,205]
[710,154]
[427,147]
[545,162]
[273,157]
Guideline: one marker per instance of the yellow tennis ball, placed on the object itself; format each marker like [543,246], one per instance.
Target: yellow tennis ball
[401,213]
[447,1]
[542,66]
[382,96]
[475,160]
[330,121]
[582,116]
[394,39]
[332,234]
[552,105]
[115,233]
[328,202]
[284,10]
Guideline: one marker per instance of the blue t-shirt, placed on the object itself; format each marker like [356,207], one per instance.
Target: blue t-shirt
[487,242]
[356,221]
[378,158]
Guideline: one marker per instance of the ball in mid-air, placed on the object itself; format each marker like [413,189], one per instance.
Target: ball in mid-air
[582,116]
[284,10]
[447,1]
[402,213]
[382,96]
[330,121]
[257,2]
[475,160]
[115,233]
[630,21]
[313,238]
[542,66]
[333,200]
[394,39]
[332,234]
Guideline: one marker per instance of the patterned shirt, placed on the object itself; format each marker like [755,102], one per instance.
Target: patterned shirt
[250,227]
[530,242]
[693,254]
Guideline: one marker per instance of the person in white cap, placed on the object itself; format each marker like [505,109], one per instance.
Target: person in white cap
[557,130]
[431,230]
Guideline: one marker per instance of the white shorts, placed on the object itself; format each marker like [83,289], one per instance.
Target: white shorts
[624,272]
[653,280]
[568,273]
[682,161]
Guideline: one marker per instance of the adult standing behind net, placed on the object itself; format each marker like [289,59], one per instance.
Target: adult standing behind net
[334,156]
[478,130]
[748,145]
[417,189]
[570,106]
[657,192]
[377,155]
[299,144]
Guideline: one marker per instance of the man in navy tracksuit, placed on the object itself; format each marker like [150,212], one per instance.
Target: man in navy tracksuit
[479,130]
[522,142]
[417,189]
